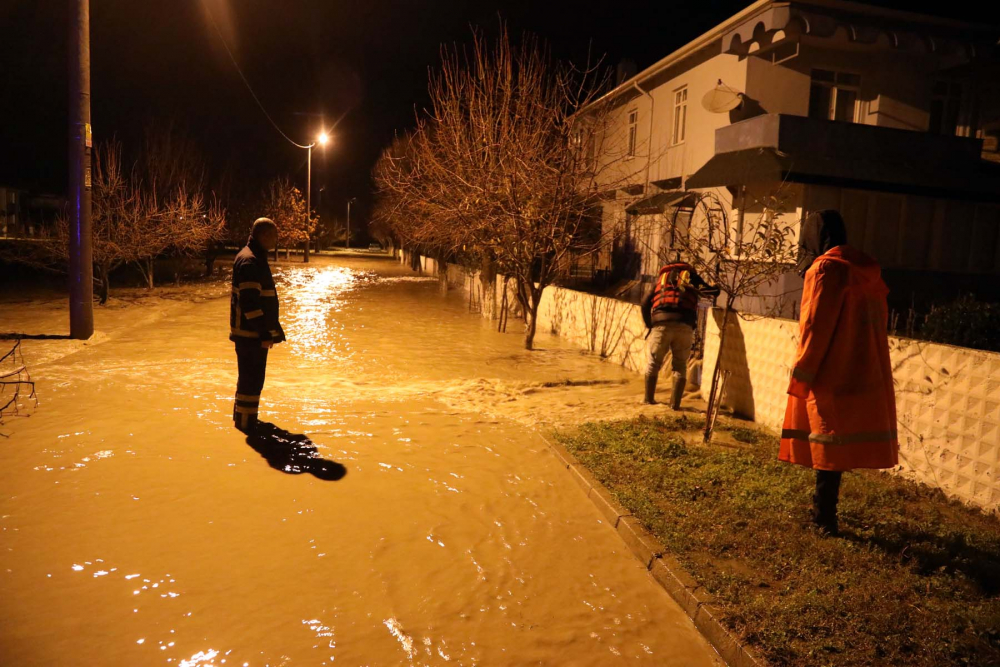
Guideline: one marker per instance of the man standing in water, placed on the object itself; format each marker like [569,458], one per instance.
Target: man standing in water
[670,311]
[253,320]
[841,410]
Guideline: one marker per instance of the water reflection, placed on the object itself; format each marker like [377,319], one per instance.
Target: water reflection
[292,453]
[316,294]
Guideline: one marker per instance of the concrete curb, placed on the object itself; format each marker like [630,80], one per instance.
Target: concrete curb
[665,569]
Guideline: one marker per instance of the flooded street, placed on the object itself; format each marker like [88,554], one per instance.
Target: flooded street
[137,527]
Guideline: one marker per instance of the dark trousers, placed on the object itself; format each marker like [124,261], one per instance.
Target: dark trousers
[251,359]
[827,494]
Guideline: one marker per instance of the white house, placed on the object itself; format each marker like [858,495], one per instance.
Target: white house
[888,116]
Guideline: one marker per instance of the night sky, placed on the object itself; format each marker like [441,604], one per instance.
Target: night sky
[308,60]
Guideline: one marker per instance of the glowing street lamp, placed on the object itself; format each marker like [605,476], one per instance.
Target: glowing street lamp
[323,139]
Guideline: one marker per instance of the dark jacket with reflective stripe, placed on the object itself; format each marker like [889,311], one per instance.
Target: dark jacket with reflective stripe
[674,297]
[253,307]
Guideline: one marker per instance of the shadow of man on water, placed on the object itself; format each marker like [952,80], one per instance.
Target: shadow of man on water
[292,453]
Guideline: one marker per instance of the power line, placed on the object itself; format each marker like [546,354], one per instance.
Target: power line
[245,82]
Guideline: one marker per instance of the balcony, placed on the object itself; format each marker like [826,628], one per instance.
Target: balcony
[776,148]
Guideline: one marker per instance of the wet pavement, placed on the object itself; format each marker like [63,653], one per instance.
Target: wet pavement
[402,511]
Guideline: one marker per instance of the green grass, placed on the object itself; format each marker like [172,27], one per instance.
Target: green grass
[914,578]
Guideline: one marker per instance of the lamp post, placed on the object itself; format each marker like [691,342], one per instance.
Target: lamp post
[347,242]
[319,207]
[322,140]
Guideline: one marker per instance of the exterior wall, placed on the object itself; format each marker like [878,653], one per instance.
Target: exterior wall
[947,400]
[912,232]
[778,88]
[655,143]
[895,86]
[609,328]
[699,145]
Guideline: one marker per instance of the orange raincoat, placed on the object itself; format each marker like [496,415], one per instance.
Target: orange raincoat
[841,403]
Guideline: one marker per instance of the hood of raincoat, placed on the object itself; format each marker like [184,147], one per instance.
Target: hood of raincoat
[865,270]
[821,231]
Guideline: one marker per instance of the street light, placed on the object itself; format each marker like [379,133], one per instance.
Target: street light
[347,242]
[322,140]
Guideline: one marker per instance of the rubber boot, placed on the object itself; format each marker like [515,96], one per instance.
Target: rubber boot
[678,391]
[650,398]
[824,513]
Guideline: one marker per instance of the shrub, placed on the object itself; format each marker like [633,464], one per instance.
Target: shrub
[965,323]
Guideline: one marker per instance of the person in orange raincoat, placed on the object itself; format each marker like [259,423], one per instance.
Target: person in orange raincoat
[841,412]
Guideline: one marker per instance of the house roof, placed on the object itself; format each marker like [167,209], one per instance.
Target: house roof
[769,21]
[657,203]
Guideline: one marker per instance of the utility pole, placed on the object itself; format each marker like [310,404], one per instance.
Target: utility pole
[319,207]
[322,140]
[81,265]
[309,178]
[347,242]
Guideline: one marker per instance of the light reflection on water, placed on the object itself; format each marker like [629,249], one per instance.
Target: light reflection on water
[318,294]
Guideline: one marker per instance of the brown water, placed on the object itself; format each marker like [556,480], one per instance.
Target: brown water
[138,528]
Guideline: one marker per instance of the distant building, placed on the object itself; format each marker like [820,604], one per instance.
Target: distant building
[24,215]
[11,211]
[889,116]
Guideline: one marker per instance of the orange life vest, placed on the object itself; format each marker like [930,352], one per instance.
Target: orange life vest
[673,290]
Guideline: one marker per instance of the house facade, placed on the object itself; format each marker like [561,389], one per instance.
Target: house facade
[891,117]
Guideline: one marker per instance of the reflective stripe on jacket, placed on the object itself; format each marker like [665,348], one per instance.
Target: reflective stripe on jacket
[841,411]
[253,306]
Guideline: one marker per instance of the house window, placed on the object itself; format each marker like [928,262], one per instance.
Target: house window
[835,96]
[680,116]
[680,229]
[583,142]
[945,105]
[633,125]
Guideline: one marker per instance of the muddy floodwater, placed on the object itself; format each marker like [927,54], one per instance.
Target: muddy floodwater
[137,527]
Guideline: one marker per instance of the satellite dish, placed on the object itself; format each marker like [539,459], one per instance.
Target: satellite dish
[721,99]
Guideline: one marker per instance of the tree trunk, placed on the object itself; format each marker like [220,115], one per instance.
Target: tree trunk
[442,269]
[717,371]
[210,254]
[489,304]
[102,274]
[531,317]
[149,272]
[502,319]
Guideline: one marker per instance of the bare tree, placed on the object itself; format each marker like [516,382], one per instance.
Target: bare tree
[132,224]
[501,170]
[16,386]
[741,255]
[284,203]
[172,170]
[121,217]
[140,211]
